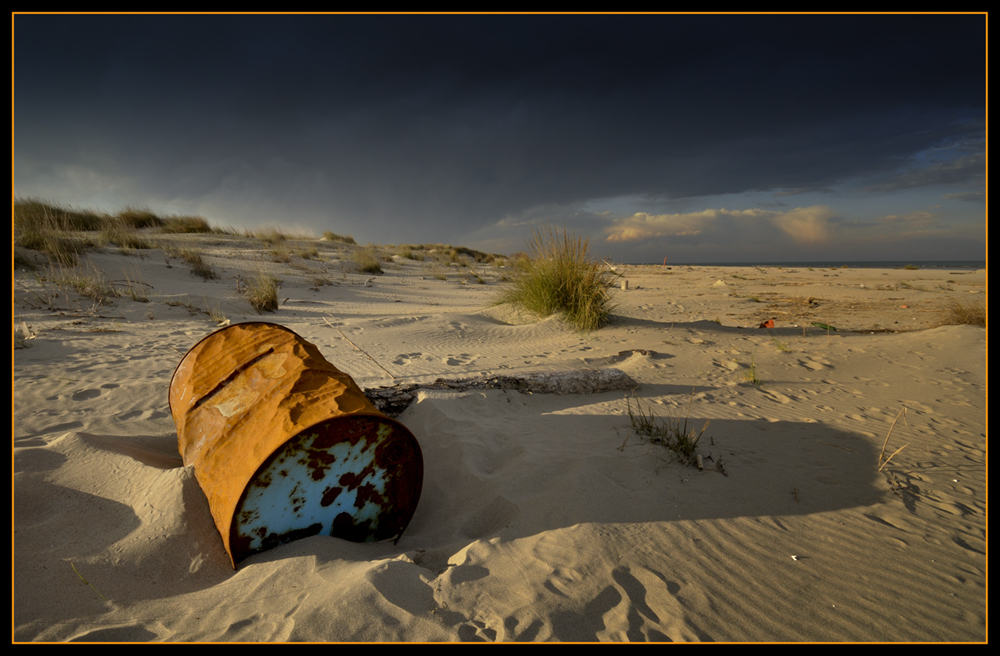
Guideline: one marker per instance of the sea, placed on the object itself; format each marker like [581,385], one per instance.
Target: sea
[839,264]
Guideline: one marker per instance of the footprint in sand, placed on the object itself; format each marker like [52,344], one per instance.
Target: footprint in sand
[814,365]
[778,396]
[406,358]
[86,395]
[460,359]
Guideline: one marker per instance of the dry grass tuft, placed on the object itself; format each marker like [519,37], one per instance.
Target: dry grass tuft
[344,239]
[973,314]
[262,292]
[367,261]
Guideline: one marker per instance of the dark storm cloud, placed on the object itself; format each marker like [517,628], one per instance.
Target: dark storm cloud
[461,120]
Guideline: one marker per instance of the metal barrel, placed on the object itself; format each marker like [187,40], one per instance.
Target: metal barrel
[286,446]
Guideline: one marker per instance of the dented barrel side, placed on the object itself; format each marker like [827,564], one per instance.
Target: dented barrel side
[285,445]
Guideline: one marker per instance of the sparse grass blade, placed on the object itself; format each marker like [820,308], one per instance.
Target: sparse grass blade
[882,460]
[670,432]
[751,375]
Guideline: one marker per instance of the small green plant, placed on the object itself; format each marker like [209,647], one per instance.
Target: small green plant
[559,276]
[671,432]
[778,344]
[911,267]
[751,375]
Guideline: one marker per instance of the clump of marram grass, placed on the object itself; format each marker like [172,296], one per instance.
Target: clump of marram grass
[960,314]
[48,228]
[89,282]
[280,254]
[270,235]
[123,234]
[32,213]
[344,239]
[262,292]
[185,225]
[139,217]
[367,261]
[671,432]
[559,276]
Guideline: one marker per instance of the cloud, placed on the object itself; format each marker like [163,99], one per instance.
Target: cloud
[918,216]
[966,169]
[641,225]
[795,192]
[803,224]
[968,196]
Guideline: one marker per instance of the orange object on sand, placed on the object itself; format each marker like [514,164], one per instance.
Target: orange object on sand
[286,446]
[767,324]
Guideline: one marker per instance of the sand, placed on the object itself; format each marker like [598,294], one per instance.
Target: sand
[543,517]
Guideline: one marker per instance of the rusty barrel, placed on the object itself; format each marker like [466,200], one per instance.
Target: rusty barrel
[285,445]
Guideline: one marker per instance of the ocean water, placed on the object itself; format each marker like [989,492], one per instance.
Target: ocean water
[935,264]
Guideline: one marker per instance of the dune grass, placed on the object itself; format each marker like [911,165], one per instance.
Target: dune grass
[123,234]
[671,432]
[559,277]
[185,225]
[262,291]
[960,314]
[367,260]
[343,239]
[752,375]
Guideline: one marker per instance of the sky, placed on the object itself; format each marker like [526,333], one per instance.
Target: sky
[695,139]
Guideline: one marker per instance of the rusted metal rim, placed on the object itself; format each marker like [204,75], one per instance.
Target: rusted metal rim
[355,477]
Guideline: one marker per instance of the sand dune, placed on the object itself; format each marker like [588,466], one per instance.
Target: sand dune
[542,517]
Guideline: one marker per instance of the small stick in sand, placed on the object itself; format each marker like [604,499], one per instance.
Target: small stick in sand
[360,349]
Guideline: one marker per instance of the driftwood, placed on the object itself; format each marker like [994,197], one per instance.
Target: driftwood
[393,400]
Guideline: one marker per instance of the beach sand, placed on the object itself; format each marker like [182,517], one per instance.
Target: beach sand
[543,517]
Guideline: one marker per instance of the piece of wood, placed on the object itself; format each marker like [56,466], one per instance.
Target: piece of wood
[393,400]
